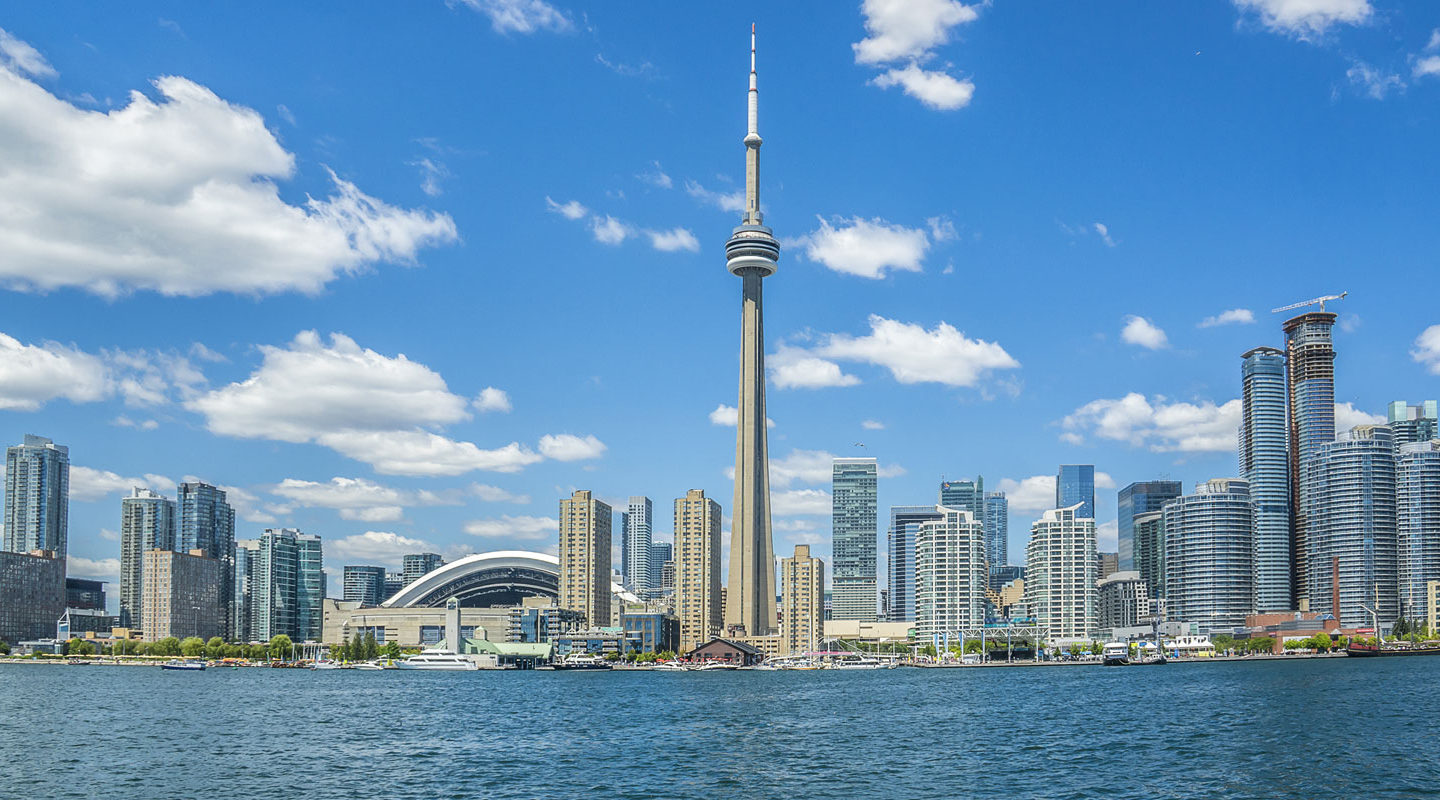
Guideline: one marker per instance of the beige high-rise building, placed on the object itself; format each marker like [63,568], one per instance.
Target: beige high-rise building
[802,587]
[697,568]
[585,557]
[180,595]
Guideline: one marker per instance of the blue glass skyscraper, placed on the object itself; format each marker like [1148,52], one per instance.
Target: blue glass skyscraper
[1310,362]
[997,530]
[1265,465]
[1075,483]
[853,531]
[1141,497]
[207,523]
[904,522]
[1354,549]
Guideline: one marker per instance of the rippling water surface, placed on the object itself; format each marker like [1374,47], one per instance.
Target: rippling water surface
[1302,729]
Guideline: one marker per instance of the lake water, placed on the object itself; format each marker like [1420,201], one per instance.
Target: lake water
[1347,728]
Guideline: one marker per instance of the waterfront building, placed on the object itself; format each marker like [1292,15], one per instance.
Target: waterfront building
[997,530]
[414,566]
[1417,524]
[1310,362]
[32,595]
[750,254]
[951,574]
[802,593]
[660,552]
[37,496]
[853,531]
[286,585]
[1412,424]
[1265,465]
[242,610]
[410,626]
[540,619]
[181,595]
[365,584]
[585,537]
[1106,564]
[1209,556]
[635,545]
[1140,497]
[1149,551]
[206,522]
[1353,558]
[1060,574]
[147,522]
[1123,600]
[1075,483]
[394,582]
[650,632]
[697,568]
[900,566]
[1432,605]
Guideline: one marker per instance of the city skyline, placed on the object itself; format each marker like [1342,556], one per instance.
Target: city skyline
[1140,384]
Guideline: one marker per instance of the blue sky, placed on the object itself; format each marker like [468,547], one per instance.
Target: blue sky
[404,276]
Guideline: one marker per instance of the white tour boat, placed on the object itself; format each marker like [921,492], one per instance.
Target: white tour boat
[438,660]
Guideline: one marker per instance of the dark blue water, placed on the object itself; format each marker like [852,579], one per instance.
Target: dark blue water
[1302,729]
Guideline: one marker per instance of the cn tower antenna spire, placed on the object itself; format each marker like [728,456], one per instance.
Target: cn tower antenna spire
[752,146]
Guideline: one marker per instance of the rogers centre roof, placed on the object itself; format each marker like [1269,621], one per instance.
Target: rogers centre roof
[489,579]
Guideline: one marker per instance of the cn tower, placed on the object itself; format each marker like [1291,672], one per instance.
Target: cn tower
[751,254]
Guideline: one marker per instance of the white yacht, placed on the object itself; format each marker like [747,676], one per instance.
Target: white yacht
[668,666]
[438,660]
[325,663]
[858,663]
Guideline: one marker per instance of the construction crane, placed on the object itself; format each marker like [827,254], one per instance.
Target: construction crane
[1320,300]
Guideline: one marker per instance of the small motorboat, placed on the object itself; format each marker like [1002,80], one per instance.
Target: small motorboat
[185,666]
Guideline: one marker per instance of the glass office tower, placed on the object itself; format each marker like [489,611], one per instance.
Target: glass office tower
[853,530]
[1075,483]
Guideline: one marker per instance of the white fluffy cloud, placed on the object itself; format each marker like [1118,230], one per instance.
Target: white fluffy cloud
[364,405]
[96,569]
[938,90]
[1030,495]
[568,210]
[1348,416]
[88,485]
[913,354]
[1427,349]
[177,196]
[906,32]
[1158,424]
[1234,316]
[33,375]
[674,239]
[733,201]
[796,368]
[868,248]
[520,528]
[1307,19]
[360,499]
[491,399]
[494,494]
[19,56]
[814,466]
[379,548]
[1143,332]
[567,447]
[797,502]
[730,415]
[521,16]
[1426,66]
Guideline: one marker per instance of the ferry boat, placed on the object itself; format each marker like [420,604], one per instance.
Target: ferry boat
[437,660]
[858,663]
[185,666]
[1117,654]
[583,661]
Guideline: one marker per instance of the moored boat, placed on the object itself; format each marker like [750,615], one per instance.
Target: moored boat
[184,666]
[1371,650]
[438,660]
[583,661]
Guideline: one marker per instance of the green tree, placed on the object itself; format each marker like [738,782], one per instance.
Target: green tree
[1402,627]
[215,648]
[281,646]
[1323,641]
[192,647]
[1074,648]
[390,650]
[371,647]
[257,652]
[4,647]
[1223,641]
[169,646]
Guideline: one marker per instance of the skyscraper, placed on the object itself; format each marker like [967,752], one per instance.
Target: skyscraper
[853,532]
[1417,524]
[286,585]
[1075,483]
[147,522]
[950,572]
[207,523]
[181,595]
[1150,552]
[904,521]
[365,585]
[242,607]
[660,553]
[1141,497]
[1310,358]
[585,537]
[697,568]
[1060,574]
[997,530]
[414,566]
[310,588]
[635,545]
[1209,555]
[1353,548]
[964,494]
[1265,465]
[1413,423]
[802,591]
[37,496]
[751,254]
